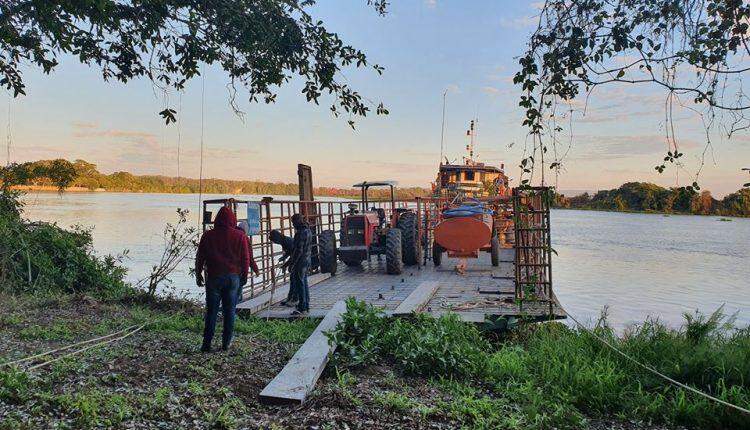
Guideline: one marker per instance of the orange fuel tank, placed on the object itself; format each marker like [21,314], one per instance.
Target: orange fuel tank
[464,234]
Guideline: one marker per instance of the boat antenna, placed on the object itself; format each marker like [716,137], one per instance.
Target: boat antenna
[442,128]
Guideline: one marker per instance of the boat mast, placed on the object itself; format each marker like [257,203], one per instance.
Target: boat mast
[471,132]
[442,129]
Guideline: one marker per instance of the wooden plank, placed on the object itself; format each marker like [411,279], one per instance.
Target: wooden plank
[297,379]
[418,298]
[260,302]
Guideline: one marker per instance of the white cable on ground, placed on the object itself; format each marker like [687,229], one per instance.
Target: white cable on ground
[32,357]
[78,351]
[654,371]
[99,341]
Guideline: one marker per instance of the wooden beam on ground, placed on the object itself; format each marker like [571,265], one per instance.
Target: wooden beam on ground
[260,302]
[297,379]
[418,298]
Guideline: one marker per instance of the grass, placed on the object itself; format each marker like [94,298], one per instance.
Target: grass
[553,376]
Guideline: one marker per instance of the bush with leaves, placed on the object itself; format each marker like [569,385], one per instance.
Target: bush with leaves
[180,243]
[553,372]
[43,257]
[359,334]
[423,346]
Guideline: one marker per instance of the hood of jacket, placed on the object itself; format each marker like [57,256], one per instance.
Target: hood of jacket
[225,218]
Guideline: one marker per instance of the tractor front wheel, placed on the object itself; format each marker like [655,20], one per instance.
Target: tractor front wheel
[393,257]
[327,252]
[411,249]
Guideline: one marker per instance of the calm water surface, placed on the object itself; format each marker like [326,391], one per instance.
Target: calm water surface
[638,265]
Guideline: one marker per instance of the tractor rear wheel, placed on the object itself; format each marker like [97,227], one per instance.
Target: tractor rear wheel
[394,264]
[495,251]
[411,249]
[327,252]
[437,253]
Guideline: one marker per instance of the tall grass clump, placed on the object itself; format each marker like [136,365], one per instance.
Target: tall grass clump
[557,374]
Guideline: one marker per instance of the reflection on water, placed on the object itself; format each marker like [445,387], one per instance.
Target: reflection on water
[636,264]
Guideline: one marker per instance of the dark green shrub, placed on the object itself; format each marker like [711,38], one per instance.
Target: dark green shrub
[444,346]
[359,335]
[43,257]
[423,346]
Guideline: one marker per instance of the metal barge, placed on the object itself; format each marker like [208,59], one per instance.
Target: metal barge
[519,287]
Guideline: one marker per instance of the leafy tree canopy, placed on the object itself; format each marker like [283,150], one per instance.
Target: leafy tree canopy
[697,50]
[261,44]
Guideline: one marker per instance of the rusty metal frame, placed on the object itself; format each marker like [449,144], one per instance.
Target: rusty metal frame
[533,247]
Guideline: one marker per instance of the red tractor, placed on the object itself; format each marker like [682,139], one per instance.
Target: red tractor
[368,233]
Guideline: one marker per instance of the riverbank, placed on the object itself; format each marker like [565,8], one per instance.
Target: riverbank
[158,378]
[644,197]
[650,212]
[81,175]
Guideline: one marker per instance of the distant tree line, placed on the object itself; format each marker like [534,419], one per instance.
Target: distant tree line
[85,175]
[647,197]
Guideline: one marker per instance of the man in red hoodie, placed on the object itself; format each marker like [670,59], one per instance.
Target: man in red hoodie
[223,252]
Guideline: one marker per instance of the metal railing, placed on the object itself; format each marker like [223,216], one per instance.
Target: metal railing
[320,215]
[529,215]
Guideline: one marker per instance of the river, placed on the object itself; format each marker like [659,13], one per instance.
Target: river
[636,265]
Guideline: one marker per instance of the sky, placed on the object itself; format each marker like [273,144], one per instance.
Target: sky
[427,47]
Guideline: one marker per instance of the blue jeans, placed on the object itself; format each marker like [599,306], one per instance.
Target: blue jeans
[220,290]
[298,285]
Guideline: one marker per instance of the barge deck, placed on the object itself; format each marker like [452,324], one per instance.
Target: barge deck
[483,292]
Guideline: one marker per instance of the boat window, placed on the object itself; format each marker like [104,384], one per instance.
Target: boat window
[469,176]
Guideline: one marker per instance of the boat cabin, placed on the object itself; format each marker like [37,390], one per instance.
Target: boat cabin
[472,179]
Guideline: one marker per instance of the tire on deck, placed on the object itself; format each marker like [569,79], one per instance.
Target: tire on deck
[495,251]
[394,263]
[327,252]
[437,253]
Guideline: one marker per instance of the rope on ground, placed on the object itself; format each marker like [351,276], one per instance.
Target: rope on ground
[33,357]
[78,351]
[654,371]
[90,344]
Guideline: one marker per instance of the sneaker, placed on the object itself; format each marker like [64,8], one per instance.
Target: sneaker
[299,313]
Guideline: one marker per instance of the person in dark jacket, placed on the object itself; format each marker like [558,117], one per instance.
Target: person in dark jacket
[224,254]
[287,246]
[299,263]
